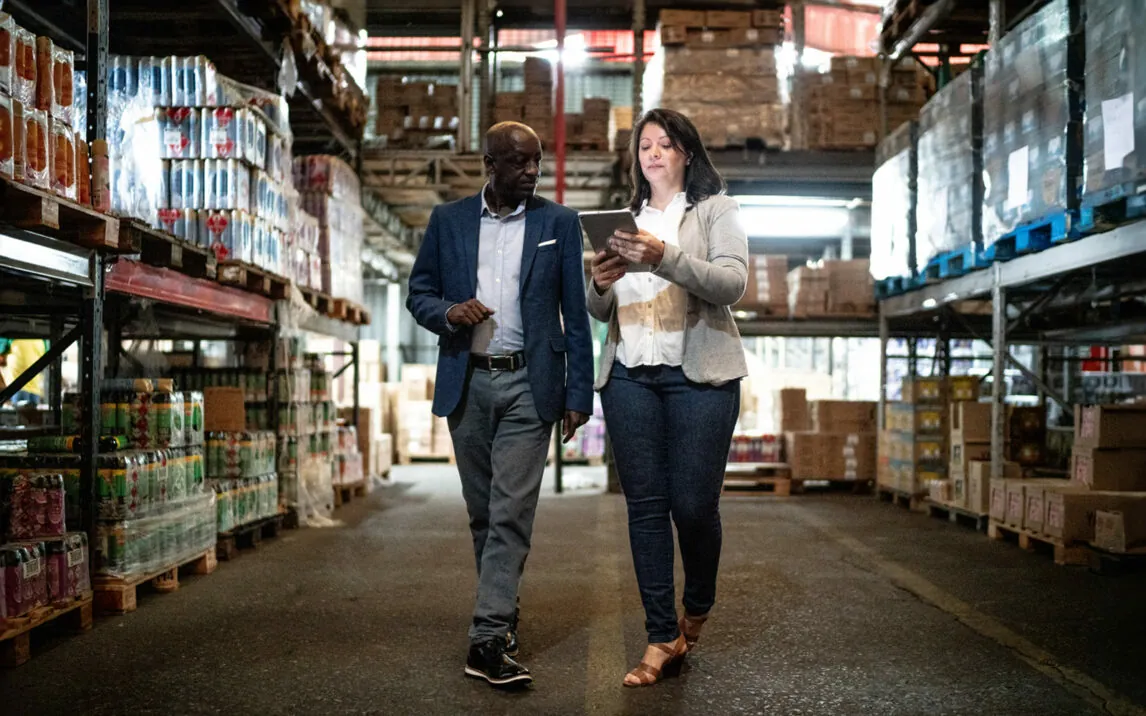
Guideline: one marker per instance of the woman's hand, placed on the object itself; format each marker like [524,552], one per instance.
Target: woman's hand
[639,248]
[607,271]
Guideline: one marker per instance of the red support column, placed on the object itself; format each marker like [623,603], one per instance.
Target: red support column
[559,115]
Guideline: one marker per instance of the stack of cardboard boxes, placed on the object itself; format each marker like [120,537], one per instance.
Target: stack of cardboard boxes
[415,114]
[831,288]
[589,130]
[720,71]
[925,434]
[840,109]
[1105,499]
[828,439]
[420,433]
[534,106]
[767,289]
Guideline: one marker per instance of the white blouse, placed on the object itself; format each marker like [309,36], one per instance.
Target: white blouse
[651,310]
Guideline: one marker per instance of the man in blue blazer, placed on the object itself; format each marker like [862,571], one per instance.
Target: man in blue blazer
[500,278]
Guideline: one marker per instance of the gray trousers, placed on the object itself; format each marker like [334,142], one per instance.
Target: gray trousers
[501,445]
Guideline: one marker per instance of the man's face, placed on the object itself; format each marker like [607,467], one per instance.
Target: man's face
[514,169]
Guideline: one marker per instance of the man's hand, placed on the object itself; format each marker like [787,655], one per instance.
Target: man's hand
[573,421]
[640,248]
[470,313]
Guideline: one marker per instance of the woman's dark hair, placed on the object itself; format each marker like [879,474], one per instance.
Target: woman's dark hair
[701,180]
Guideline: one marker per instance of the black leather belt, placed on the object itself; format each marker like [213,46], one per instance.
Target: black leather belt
[515,361]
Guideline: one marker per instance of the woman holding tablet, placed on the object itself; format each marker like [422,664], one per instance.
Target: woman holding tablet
[670,373]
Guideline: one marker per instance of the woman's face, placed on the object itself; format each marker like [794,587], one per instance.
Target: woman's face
[661,163]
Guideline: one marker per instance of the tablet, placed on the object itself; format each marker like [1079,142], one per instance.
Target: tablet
[600,225]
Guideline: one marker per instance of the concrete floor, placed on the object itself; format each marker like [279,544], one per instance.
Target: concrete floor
[827,605]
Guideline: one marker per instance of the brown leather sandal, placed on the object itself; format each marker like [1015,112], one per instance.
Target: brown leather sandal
[647,674]
[690,628]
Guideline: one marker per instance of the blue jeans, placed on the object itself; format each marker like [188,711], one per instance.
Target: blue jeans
[670,442]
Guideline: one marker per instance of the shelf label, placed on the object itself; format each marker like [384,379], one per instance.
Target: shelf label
[1018,177]
[1117,131]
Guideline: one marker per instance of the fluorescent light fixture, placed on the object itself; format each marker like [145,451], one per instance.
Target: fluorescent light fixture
[747,200]
[789,222]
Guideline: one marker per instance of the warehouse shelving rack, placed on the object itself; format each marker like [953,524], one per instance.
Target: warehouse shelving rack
[1086,293]
[53,289]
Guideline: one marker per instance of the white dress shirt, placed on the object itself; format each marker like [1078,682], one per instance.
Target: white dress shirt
[500,245]
[651,310]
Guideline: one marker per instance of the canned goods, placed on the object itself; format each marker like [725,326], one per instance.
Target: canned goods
[113,487]
[122,76]
[180,129]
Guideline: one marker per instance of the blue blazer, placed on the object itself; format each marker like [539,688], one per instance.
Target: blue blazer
[558,347]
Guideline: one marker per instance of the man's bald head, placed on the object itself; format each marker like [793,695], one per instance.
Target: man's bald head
[513,162]
[504,136]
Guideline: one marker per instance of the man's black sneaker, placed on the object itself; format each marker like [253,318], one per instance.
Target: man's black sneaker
[489,661]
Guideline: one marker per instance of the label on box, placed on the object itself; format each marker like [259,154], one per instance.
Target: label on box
[1117,130]
[708,36]
[752,34]
[1054,516]
[1084,470]
[1018,176]
[1015,503]
[1035,509]
[32,569]
[76,557]
[998,502]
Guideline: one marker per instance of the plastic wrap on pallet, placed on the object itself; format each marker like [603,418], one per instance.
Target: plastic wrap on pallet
[893,204]
[1115,94]
[14,466]
[239,502]
[127,548]
[1032,140]
[950,168]
[136,137]
[23,580]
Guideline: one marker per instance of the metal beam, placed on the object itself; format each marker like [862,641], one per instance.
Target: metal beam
[466,76]
[54,353]
[999,384]
[928,21]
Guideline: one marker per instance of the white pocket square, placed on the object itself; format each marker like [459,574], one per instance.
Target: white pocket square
[547,243]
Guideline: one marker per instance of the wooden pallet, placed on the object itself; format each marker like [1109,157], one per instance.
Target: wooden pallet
[346,493]
[322,303]
[248,536]
[159,248]
[857,485]
[958,515]
[777,486]
[30,208]
[774,477]
[253,279]
[344,310]
[408,458]
[16,640]
[913,502]
[115,595]
[1111,564]
[1071,554]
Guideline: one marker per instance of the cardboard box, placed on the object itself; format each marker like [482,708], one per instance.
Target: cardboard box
[224,410]
[805,454]
[1017,491]
[684,18]
[924,390]
[1026,424]
[963,388]
[843,416]
[1070,514]
[1110,470]
[418,381]
[1110,426]
[1036,502]
[916,419]
[998,504]
[768,18]
[793,408]
[850,287]
[979,484]
[767,289]
[860,456]
[1121,530]
[962,454]
[970,422]
[726,18]
[673,34]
